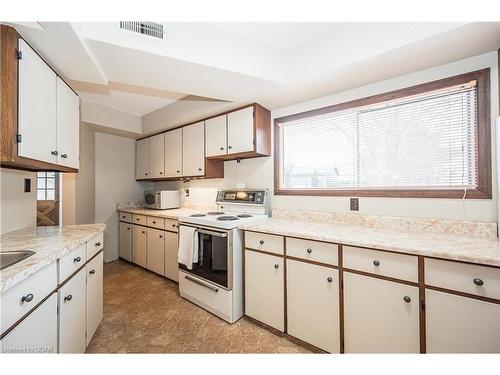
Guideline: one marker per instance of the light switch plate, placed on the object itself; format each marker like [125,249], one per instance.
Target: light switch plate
[354,204]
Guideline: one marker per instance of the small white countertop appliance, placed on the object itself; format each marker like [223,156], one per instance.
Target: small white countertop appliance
[162,199]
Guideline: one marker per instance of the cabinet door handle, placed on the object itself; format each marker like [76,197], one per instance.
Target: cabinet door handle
[478,282]
[55,153]
[128,228]
[161,172]
[173,225]
[161,236]
[77,260]
[27,298]
[98,244]
[145,174]
[407,299]
[178,171]
[199,169]
[329,279]
[222,148]
[64,156]
[309,251]
[69,297]
[154,222]
[230,147]
[376,263]
[92,272]
[143,232]
[276,266]
[261,242]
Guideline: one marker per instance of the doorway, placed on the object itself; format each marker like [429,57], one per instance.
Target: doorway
[47,199]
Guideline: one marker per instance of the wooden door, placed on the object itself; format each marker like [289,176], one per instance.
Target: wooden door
[240,131]
[264,289]
[216,136]
[173,153]
[139,245]
[171,256]
[94,294]
[193,149]
[68,126]
[313,304]
[157,156]
[36,107]
[155,259]
[125,243]
[72,314]
[142,158]
[380,316]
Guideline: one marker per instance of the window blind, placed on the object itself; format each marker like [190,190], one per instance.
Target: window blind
[426,141]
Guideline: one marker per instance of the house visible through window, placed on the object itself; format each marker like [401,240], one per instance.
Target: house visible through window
[46,186]
[428,140]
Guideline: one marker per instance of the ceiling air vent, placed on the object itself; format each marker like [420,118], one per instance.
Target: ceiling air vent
[147,28]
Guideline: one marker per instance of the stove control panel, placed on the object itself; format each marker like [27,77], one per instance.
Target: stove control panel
[241,196]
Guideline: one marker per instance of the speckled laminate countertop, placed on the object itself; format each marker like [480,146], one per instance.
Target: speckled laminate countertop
[173,213]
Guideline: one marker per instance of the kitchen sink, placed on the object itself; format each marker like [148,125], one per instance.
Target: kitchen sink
[8,258]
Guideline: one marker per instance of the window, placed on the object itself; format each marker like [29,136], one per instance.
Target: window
[430,140]
[46,186]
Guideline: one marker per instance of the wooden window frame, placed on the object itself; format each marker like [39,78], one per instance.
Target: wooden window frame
[483,160]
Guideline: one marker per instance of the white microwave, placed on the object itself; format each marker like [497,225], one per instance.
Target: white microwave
[162,199]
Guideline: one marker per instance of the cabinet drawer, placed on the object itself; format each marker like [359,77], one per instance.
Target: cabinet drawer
[398,266]
[313,250]
[264,242]
[171,225]
[124,216]
[21,298]
[71,262]
[95,245]
[156,222]
[462,277]
[140,219]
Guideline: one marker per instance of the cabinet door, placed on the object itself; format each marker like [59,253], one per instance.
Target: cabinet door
[125,244]
[171,256]
[173,153]
[264,288]
[377,319]
[72,314]
[240,134]
[216,136]
[139,244]
[193,150]
[157,156]
[68,126]
[456,324]
[37,333]
[313,304]
[94,295]
[155,259]
[142,158]
[36,107]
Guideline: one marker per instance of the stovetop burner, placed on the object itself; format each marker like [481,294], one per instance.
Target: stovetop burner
[244,216]
[227,218]
[197,215]
[215,213]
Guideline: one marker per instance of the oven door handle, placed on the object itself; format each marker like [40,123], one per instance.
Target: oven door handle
[212,233]
[196,281]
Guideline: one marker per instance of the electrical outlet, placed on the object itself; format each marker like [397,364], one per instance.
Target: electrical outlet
[354,204]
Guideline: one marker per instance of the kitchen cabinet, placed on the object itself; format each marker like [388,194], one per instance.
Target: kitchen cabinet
[240,131]
[193,150]
[142,159]
[216,136]
[68,126]
[380,316]
[457,324]
[264,291]
[139,245]
[125,241]
[37,333]
[173,153]
[157,156]
[94,305]
[72,314]
[313,304]
[155,248]
[171,256]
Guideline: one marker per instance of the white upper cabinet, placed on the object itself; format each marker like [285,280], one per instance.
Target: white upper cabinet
[216,136]
[157,156]
[142,158]
[37,107]
[68,126]
[193,149]
[240,131]
[173,153]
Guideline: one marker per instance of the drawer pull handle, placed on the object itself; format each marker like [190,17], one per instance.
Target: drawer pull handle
[407,299]
[276,266]
[92,272]
[329,279]
[154,222]
[98,244]
[77,260]
[138,219]
[261,242]
[309,251]
[27,298]
[478,282]
[376,263]
[69,297]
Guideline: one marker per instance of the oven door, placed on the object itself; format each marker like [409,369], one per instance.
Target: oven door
[215,257]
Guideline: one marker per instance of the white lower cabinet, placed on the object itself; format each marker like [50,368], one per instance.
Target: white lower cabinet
[456,324]
[72,314]
[94,269]
[380,316]
[264,290]
[139,245]
[125,241]
[313,304]
[155,248]
[37,333]
[171,256]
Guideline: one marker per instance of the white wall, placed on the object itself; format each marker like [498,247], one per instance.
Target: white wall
[68,199]
[18,209]
[259,172]
[114,182]
[85,178]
